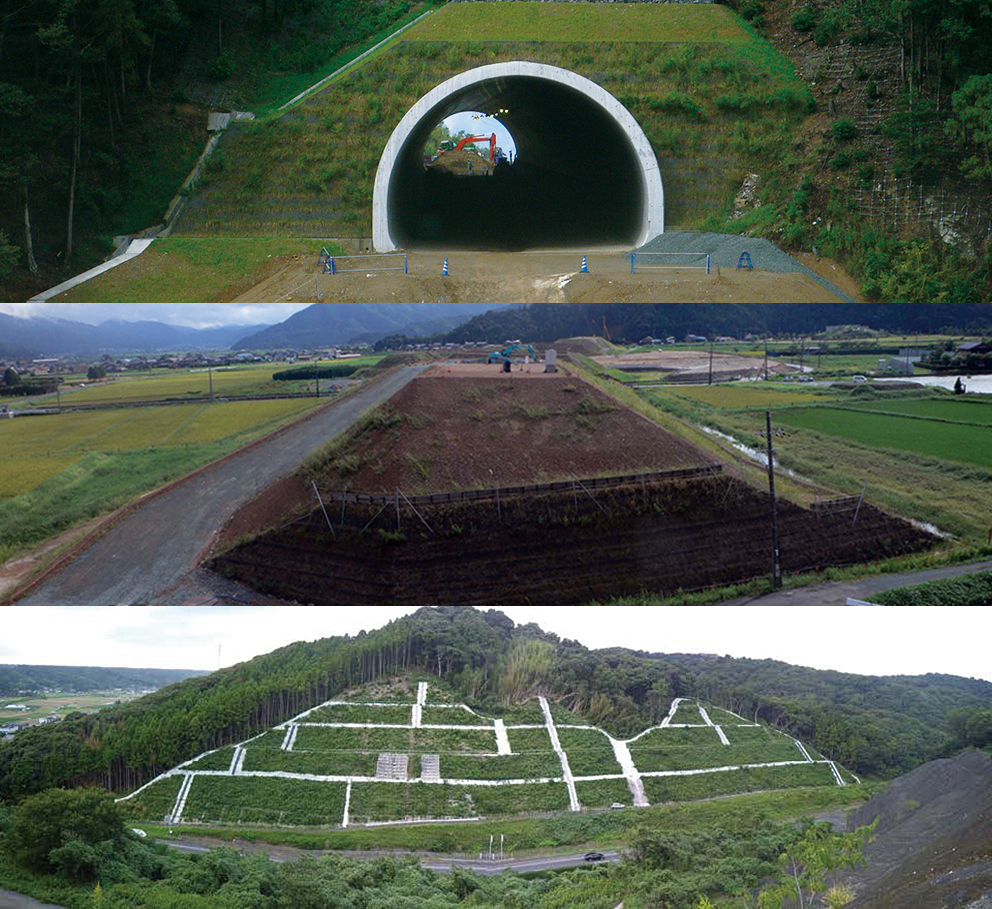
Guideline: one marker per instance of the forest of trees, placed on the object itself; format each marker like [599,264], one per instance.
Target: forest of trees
[88,94]
[875,726]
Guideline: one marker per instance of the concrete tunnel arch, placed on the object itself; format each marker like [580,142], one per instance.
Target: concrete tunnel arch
[584,171]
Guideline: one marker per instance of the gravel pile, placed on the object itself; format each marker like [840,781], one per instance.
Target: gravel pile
[725,251]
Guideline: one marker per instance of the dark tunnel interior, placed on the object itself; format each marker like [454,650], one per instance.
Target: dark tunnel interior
[575,178]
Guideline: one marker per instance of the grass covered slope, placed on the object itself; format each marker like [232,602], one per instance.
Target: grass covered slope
[359,761]
[710,94]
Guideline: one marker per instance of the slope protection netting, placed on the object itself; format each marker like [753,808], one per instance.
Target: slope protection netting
[725,251]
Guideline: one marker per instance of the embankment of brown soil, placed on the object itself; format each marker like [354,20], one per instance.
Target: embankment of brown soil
[557,549]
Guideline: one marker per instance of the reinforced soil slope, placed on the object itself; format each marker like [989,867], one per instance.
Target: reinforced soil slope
[566,545]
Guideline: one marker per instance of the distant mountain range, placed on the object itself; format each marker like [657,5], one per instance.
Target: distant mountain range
[39,336]
[344,322]
[18,679]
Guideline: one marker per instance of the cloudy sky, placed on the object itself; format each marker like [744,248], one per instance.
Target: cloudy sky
[880,641]
[195,315]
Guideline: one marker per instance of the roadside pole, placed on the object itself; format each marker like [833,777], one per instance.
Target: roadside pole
[776,565]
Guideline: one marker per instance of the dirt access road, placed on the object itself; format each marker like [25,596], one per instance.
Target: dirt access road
[150,555]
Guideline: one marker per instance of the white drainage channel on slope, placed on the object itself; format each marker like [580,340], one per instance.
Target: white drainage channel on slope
[573,796]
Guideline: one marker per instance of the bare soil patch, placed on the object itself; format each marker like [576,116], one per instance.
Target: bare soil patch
[691,363]
[452,430]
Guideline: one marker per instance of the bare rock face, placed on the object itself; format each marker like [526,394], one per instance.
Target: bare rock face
[747,198]
[933,840]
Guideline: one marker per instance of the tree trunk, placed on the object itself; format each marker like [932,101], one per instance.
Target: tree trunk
[28,242]
[76,141]
[151,56]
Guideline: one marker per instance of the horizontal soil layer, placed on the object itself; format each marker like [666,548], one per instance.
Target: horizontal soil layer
[557,549]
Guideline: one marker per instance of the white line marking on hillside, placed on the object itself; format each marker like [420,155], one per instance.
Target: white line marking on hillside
[290,740]
[802,749]
[421,693]
[634,784]
[573,796]
[704,714]
[720,733]
[502,741]
[836,773]
[416,716]
[347,804]
[233,766]
[667,721]
[177,808]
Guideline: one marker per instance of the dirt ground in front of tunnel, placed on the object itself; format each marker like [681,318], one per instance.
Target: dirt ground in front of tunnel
[479,281]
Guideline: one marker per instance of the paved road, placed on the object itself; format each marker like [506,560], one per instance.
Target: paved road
[837,592]
[433,862]
[11,900]
[148,556]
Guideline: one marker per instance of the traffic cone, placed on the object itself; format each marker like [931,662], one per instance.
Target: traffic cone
[444,270]
[585,265]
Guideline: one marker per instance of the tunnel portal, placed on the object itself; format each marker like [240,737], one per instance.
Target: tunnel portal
[584,172]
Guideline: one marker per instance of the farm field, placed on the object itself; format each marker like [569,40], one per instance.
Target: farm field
[919,454]
[60,705]
[944,440]
[304,774]
[60,470]
[194,384]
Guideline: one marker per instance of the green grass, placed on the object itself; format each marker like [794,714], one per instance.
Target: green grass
[563,831]
[156,801]
[529,21]
[269,801]
[396,801]
[216,760]
[184,384]
[947,441]
[687,712]
[359,713]
[280,176]
[506,767]
[969,590]
[106,459]
[190,269]
[944,409]
[452,716]
[730,782]
[48,888]
[603,793]
[529,740]
[589,752]
[410,741]
[324,763]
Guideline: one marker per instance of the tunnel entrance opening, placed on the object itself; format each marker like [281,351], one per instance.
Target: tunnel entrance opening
[582,172]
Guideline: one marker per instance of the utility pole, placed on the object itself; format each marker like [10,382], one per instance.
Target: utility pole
[766,359]
[776,566]
[711,363]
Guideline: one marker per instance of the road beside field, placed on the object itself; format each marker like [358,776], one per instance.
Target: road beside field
[148,556]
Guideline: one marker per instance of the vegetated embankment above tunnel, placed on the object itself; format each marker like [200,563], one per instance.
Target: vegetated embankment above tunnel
[692,528]
[710,95]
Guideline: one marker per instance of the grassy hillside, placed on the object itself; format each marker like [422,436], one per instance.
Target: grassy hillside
[712,96]
[356,761]
[488,662]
